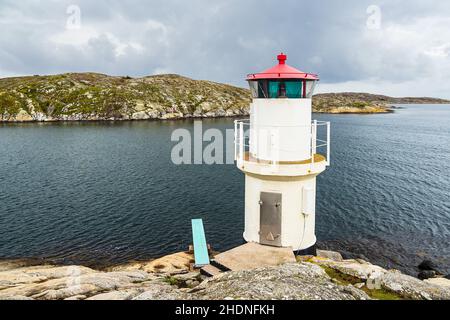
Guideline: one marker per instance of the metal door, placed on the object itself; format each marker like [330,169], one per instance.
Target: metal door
[270,224]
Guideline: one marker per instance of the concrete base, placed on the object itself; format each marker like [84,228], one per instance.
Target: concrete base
[312,251]
[252,256]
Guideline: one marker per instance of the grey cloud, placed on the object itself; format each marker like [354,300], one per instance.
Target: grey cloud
[224,40]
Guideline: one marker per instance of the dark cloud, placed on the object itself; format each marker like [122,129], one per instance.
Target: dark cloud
[224,40]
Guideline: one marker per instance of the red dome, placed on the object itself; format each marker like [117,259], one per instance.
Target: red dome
[282,71]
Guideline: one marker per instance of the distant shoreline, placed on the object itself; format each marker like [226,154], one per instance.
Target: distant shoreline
[97,97]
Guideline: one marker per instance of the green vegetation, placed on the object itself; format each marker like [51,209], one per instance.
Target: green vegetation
[9,104]
[344,279]
[99,97]
[171,281]
[382,294]
[360,104]
[350,102]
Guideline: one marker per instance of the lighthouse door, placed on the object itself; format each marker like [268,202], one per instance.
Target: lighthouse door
[270,213]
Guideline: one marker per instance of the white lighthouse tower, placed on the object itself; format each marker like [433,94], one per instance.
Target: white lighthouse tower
[282,151]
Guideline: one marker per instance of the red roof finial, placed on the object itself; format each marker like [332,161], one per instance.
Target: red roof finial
[282,58]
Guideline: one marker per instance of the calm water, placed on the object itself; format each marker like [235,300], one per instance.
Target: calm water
[103,193]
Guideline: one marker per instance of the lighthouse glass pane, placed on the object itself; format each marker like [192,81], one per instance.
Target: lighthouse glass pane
[310,86]
[254,88]
[273,89]
[263,89]
[294,89]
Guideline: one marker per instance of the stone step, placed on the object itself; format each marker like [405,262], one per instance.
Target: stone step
[252,256]
[210,271]
[219,266]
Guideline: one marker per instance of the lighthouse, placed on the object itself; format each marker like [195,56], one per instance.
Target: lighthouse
[281,151]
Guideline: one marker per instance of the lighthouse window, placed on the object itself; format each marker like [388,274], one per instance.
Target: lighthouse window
[263,91]
[294,89]
[310,86]
[285,89]
[254,88]
[275,89]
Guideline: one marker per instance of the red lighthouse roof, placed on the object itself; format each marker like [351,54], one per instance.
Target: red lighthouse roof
[282,71]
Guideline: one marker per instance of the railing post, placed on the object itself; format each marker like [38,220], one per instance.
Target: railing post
[235,140]
[314,141]
[329,143]
[242,142]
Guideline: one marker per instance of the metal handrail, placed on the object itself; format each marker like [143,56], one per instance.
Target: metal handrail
[241,137]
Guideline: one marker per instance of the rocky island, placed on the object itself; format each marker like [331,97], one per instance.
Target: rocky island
[97,97]
[326,276]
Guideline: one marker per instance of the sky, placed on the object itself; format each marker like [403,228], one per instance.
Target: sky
[393,47]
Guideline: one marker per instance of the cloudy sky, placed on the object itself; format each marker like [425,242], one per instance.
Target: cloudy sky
[395,47]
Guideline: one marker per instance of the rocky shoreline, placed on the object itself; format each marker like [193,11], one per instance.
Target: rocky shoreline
[326,276]
[99,97]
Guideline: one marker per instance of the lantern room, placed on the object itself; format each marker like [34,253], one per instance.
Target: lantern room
[282,81]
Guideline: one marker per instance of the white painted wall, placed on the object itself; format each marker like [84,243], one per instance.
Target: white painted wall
[281,129]
[298,229]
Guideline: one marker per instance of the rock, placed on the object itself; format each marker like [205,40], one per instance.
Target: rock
[295,281]
[413,288]
[28,275]
[356,293]
[59,283]
[427,274]
[360,285]
[64,293]
[15,298]
[23,116]
[14,264]
[146,281]
[173,264]
[443,282]
[447,276]
[115,295]
[192,283]
[187,276]
[352,268]
[76,298]
[428,265]
[177,263]
[189,279]
[332,255]
[141,115]
[162,292]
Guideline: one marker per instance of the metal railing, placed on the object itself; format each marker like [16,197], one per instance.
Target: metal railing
[320,140]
